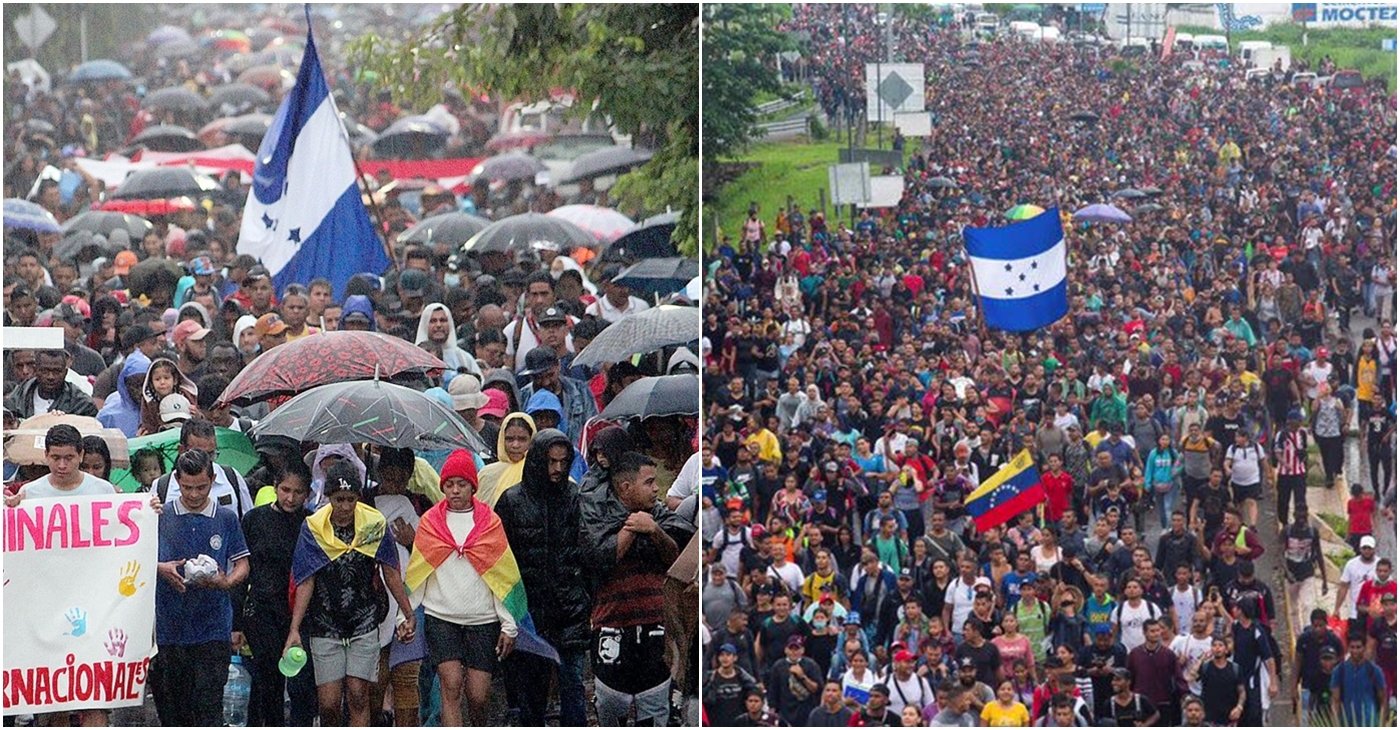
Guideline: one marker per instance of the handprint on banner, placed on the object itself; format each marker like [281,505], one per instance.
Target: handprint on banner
[127,585]
[78,618]
[116,643]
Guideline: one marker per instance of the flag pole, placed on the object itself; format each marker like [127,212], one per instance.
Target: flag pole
[977,292]
[373,207]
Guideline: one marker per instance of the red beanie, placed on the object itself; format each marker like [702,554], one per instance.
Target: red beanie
[460,464]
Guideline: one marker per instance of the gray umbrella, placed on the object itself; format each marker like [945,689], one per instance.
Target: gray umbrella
[519,231]
[651,330]
[372,412]
[660,276]
[175,97]
[106,221]
[665,395]
[942,182]
[453,229]
[1149,208]
[510,166]
[168,138]
[607,161]
[1130,194]
[239,95]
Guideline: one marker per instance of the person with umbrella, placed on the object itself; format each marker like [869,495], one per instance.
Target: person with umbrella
[629,541]
[541,519]
[617,301]
[339,599]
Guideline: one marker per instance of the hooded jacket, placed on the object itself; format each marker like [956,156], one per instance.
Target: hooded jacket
[453,355]
[362,304]
[124,412]
[541,519]
[318,498]
[507,379]
[503,473]
[70,400]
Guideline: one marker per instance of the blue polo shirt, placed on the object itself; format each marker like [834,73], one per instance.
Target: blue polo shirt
[199,615]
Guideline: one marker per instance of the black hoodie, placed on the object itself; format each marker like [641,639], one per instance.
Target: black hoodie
[541,520]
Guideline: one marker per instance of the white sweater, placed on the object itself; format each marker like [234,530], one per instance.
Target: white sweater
[456,593]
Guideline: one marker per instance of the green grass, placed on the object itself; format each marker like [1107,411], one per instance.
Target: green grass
[1340,559]
[1338,523]
[1351,48]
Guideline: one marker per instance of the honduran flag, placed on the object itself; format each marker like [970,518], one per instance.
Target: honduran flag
[304,217]
[1020,271]
[1013,489]
[488,551]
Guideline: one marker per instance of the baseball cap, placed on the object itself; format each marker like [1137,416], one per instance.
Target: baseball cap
[136,334]
[796,640]
[853,618]
[465,390]
[826,597]
[553,315]
[189,330]
[832,466]
[966,663]
[66,312]
[174,407]
[270,324]
[728,649]
[413,283]
[201,266]
[356,316]
[257,272]
[496,404]
[539,360]
[903,656]
[1102,630]
[1122,673]
[906,573]
[1323,353]
[123,263]
[819,495]
[1329,652]
[981,582]
[1368,542]
[880,688]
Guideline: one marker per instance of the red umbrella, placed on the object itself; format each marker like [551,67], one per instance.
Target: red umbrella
[162,206]
[329,357]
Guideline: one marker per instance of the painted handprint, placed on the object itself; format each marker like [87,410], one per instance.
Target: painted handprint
[127,585]
[116,643]
[78,618]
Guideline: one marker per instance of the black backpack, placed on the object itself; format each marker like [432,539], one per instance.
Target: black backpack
[163,487]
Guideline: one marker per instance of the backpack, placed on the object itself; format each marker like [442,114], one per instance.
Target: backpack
[1154,611]
[163,486]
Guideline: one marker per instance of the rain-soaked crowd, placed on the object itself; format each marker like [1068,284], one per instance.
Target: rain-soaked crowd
[407,566]
[1224,350]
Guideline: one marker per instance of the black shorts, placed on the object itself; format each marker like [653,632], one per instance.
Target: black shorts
[1245,491]
[632,659]
[473,646]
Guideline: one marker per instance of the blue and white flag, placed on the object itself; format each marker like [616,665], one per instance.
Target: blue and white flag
[304,217]
[1019,271]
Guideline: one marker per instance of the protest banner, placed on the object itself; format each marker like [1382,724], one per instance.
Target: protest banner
[79,611]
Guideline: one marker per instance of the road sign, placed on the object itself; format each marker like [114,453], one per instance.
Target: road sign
[35,28]
[850,183]
[891,88]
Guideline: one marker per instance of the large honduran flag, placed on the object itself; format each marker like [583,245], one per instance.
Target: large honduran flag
[304,217]
[1020,272]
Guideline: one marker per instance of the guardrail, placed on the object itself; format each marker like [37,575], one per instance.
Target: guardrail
[786,126]
[778,105]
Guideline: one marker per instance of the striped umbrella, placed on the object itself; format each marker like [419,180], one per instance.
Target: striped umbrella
[1024,212]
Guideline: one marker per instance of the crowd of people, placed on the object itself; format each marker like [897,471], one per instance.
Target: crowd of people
[396,557]
[1221,354]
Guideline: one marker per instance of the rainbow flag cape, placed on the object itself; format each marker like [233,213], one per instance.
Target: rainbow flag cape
[318,546]
[489,552]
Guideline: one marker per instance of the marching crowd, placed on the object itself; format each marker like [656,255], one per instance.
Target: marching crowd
[421,580]
[1204,385]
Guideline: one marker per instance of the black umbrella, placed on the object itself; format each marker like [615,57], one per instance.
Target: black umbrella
[250,128]
[519,231]
[79,246]
[642,333]
[660,276]
[168,138]
[164,182]
[372,412]
[941,182]
[1149,208]
[1130,194]
[149,275]
[665,395]
[238,95]
[359,133]
[607,161]
[1084,116]
[509,166]
[454,229]
[106,221]
[651,239]
[412,138]
[175,97]
[1151,190]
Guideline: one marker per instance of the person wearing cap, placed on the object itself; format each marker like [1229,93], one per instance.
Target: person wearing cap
[436,325]
[467,399]
[1310,682]
[1355,574]
[271,331]
[794,682]
[200,283]
[357,314]
[1368,599]
[522,333]
[542,369]
[412,288]
[338,600]
[194,618]
[906,688]
[189,338]
[1127,708]
[86,361]
[49,391]
[726,685]
[271,531]
[617,302]
[174,410]
[255,291]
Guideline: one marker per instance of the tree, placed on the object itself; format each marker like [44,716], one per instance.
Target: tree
[738,40]
[639,62]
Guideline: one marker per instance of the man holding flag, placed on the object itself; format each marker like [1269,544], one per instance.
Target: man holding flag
[1019,272]
[1013,489]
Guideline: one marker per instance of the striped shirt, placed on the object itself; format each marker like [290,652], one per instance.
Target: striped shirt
[1291,451]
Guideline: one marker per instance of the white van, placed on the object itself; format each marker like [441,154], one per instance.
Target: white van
[1024,30]
[1217,43]
[1184,42]
[1247,50]
[986,23]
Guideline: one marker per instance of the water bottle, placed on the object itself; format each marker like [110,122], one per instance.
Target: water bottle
[236,691]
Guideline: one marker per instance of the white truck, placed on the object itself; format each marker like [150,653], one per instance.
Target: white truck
[1266,57]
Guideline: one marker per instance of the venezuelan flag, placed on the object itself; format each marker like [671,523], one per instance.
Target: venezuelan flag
[488,551]
[1014,489]
[317,545]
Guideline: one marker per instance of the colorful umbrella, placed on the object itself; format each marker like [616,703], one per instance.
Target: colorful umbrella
[1024,212]
[23,215]
[228,40]
[372,412]
[330,357]
[235,450]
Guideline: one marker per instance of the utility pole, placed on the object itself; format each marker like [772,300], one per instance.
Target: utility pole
[82,32]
